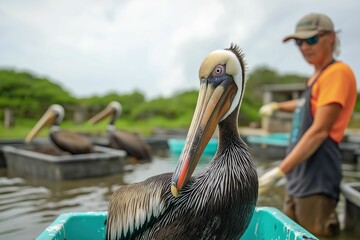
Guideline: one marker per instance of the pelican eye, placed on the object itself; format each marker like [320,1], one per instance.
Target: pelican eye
[219,70]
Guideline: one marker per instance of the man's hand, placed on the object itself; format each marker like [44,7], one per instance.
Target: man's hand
[268,109]
[269,179]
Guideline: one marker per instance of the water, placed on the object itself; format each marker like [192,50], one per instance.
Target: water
[28,206]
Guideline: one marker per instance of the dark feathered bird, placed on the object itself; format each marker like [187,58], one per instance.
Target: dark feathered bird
[216,203]
[73,143]
[121,139]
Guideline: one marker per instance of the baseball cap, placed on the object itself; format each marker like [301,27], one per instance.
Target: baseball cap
[310,25]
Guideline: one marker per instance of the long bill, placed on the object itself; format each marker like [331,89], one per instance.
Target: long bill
[48,118]
[212,104]
[101,115]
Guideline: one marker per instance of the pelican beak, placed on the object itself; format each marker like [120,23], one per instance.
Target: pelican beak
[101,115]
[48,118]
[212,104]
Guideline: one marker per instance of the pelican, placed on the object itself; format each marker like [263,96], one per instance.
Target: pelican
[120,139]
[216,203]
[67,141]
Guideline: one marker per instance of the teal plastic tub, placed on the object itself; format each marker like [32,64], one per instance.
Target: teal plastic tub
[276,139]
[177,144]
[267,223]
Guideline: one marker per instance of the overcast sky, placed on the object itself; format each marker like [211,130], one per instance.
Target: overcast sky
[156,47]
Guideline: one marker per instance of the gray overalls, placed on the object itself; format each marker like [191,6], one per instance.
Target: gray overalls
[321,173]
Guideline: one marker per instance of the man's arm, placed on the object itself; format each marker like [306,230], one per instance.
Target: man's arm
[288,106]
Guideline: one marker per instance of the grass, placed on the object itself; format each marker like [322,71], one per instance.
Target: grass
[18,131]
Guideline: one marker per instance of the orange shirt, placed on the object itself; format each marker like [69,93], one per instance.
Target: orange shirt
[336,84]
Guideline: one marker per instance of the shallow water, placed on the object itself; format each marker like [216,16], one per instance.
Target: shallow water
[28,206]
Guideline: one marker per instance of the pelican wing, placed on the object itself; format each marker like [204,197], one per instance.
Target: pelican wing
[133,207]
[71,142]
[131,143]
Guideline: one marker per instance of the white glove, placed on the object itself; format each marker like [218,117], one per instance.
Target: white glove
[268,109]
[269,179]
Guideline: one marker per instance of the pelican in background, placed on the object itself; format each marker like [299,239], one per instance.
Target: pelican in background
[67,141]
[217,203]
[120,139]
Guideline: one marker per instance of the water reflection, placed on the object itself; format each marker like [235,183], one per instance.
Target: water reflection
[28,206]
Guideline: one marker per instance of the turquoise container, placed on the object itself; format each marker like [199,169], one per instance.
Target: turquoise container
[177,144]
[267,224]
[276,139]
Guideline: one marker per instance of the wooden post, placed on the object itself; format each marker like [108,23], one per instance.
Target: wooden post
[78,115]
[265,121]
[8,118]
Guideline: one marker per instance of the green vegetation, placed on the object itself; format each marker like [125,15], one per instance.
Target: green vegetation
[29,96]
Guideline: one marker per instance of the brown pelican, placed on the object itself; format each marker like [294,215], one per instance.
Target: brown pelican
[216,203]
[120,139]
[67,141]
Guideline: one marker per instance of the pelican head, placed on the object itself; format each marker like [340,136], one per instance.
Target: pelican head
[113,109]
[222,83]
[53,116]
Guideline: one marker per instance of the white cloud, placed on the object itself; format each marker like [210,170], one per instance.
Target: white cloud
[93,47]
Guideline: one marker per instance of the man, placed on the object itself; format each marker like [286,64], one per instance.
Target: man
[313,162]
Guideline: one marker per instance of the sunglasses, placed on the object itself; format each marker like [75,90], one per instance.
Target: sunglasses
[310,41]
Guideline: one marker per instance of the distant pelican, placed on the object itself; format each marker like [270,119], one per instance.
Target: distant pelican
[67,141]
[217,203]
[121,139]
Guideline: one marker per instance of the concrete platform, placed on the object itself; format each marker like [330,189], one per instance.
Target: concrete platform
[46,162]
